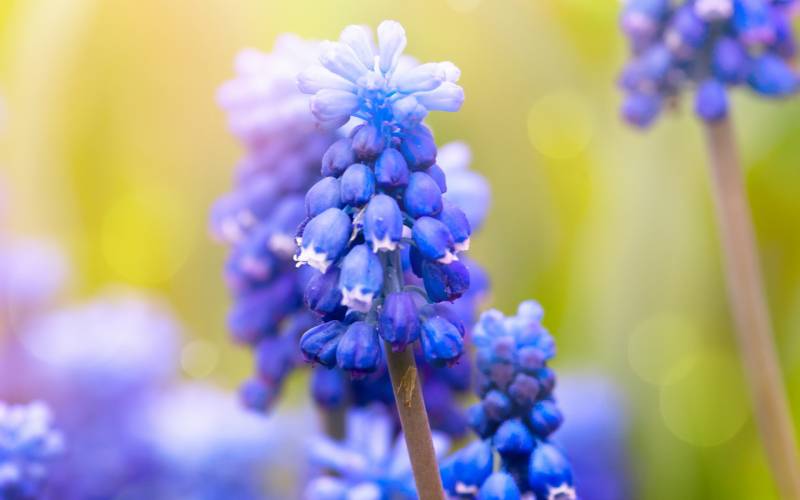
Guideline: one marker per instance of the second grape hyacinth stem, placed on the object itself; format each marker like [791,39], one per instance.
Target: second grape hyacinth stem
[410,403]
[750,310]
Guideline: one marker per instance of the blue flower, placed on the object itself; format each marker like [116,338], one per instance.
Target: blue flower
[359,350]
[499,486]
[399,321]
[434,240]
[383,224]
[28,445]
[595,435]
[422,196]
[711,101]
[377,84]
[549,473]
[205,447]
[442,342]
[274,193]
[361,279]
[390,195]
[32,272]
[111,348]
[705,45]
[466,470]
[320,343]
[325,239]
[358,185]
[325,194]
[372,462]
[517,413]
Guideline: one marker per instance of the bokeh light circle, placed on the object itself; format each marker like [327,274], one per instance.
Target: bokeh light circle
[662,348]
[199,358]
[560,125]
[708,406]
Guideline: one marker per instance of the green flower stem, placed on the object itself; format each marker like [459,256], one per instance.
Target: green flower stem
[750,310]
[410,404]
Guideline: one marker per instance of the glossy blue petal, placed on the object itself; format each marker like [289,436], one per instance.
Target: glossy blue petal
[445,282]
[456,221]
[468,468]
[545,418]
[513,438]
[422,196]
[359,349]
[418,148]
[367,142]
[322,294]
[399,320]
[441,341]
[499,486]
[433,240]
[358,185]
[319,344]
[549,473]
[383,223]
[391,169]
[361,278]
[325,239]
[325,194]
[337,158]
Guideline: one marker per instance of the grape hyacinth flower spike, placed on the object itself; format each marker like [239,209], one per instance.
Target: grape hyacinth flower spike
[28,443]
[332,390]
[259,217]
[516,416]
[369,463]
[712,46]
[390,202]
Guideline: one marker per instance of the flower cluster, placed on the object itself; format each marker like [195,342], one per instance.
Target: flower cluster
[441,385]
[709,44]
[107,369]
[32,272]
[595,434]
[206,447]
[258,219]
[379,208]
[28,444]
[371,463]
[516,415]
[111,348]
[95,363]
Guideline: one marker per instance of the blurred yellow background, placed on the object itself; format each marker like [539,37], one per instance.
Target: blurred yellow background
[113,143]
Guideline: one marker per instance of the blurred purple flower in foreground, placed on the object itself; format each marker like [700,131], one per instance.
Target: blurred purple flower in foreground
[259,218]
[594,435]
[28,445]
[371,463]
[706,45]
[207,447]
[32,272]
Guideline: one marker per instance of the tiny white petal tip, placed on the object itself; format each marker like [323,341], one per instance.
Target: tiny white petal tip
[317,260]
[462,246]
[383,245]
[448,258]
[357,299]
